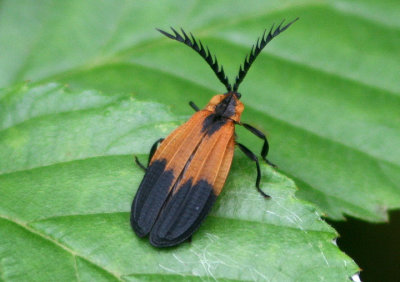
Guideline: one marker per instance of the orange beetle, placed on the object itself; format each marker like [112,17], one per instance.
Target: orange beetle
[187,170]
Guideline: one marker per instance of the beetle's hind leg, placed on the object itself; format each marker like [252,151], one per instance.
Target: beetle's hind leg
[265,147]
[151,154]
[254,158]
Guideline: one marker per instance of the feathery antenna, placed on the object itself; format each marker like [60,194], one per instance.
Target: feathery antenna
[265,39]
[204,53]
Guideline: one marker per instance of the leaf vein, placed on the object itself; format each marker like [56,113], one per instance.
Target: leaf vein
[56,243]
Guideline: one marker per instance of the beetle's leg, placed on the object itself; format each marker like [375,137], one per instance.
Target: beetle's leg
[152,151]
[259,134]
[194,106]
[254,158]
[140,164]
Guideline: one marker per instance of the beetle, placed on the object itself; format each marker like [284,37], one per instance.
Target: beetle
[187,170]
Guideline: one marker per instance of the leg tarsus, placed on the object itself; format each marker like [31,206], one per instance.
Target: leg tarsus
[151,154]
[194,106]
[140,164]
[263,194]
[254,158]
[271,164]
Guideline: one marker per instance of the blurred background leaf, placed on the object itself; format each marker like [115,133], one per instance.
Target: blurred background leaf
[326,90]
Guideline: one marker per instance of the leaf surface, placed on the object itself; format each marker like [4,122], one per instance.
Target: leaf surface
[326,90]
[66,210]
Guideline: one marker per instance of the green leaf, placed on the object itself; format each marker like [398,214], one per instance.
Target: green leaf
[67,179]
[326,90]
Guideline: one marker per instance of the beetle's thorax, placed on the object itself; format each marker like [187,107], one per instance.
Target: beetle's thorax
[226,105]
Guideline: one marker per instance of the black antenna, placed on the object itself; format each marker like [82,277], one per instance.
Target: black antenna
[255,51]
[204,53]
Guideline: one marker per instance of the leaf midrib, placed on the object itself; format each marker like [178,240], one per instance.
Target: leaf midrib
[42,219]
